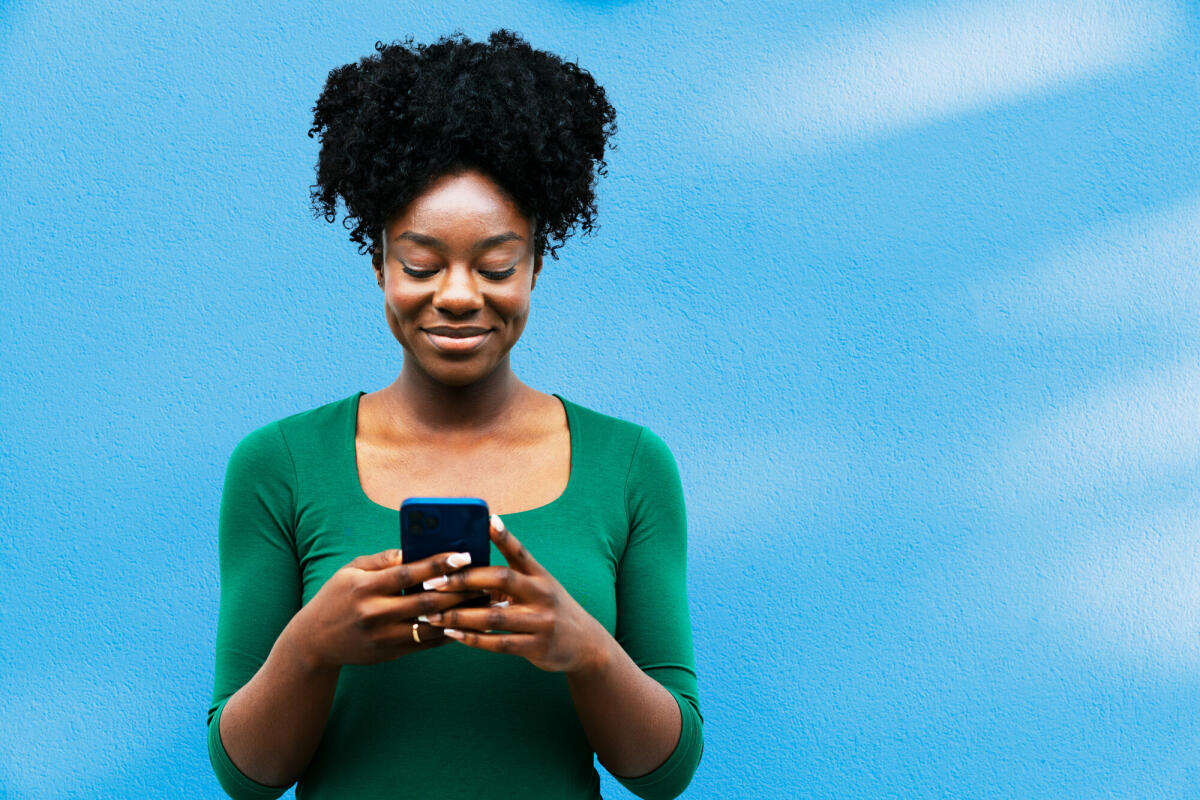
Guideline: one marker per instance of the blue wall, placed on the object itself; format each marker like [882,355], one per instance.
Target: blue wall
[911,290]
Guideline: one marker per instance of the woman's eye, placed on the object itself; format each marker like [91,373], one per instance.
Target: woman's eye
[419,273]
[497,275]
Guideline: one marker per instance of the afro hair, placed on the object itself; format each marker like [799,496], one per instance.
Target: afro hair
[395,121]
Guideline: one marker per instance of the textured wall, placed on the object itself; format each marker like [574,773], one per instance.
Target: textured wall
[910,289]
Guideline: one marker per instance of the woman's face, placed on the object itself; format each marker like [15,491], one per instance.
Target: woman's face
[456,269]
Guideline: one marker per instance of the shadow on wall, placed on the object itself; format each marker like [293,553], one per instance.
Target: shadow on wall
[914,67]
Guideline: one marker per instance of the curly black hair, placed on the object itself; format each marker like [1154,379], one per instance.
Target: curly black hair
[394,121]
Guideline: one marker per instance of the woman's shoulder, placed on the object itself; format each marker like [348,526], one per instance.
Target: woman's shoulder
[623,438]
[300,429]
[597,425]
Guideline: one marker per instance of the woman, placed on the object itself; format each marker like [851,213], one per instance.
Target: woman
[459,163]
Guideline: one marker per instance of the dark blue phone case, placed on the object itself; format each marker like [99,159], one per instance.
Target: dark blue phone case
[432,525]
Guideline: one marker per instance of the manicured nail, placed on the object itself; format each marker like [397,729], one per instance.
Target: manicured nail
[497,522]
[425,618]
[453,633]
[459,559]
[433,583]
[501,604]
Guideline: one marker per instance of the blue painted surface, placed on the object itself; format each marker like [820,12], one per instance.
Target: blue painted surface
[911,290]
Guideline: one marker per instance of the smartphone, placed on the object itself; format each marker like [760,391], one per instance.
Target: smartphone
[432,525]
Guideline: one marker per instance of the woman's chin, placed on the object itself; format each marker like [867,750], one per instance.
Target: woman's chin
[457,373]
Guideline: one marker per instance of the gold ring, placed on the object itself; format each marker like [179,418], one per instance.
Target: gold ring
[416,638]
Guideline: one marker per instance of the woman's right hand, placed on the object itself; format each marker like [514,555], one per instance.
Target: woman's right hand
[360,617]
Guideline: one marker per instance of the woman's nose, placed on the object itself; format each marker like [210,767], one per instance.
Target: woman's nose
[457,291]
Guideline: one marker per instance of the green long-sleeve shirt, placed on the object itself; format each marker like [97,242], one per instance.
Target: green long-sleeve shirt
[455,722]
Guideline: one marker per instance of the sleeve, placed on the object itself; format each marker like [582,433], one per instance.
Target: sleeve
[260,581]
[653,623]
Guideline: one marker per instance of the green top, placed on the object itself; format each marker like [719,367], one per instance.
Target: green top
[455,722]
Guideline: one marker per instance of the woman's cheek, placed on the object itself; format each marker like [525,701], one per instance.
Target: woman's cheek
[519,314]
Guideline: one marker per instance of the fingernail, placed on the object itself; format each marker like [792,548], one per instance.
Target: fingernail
[459,559]
[453,633]
[433,583]
[501,604]
[424,619]
[499,523]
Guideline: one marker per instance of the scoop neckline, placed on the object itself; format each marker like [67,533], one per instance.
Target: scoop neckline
[572,432]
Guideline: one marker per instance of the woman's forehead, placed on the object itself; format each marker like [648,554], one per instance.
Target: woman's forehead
[467,207]
[463,192]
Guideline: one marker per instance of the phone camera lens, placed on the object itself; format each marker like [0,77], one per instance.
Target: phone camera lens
[431,522]
[415,528]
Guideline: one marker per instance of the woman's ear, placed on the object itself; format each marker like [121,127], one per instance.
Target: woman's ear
[537,268]
[377,264]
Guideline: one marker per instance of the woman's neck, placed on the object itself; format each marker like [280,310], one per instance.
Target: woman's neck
[417,401]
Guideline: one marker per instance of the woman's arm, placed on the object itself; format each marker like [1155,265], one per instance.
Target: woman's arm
[270,728]
[277,664]
[260,594]
[654,631]
[632,722]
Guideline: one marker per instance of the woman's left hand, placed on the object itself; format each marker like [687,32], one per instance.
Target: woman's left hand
[541,622]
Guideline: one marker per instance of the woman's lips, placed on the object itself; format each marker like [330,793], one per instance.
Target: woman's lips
[457,342]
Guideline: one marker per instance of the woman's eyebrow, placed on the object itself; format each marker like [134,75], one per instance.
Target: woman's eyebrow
[438,244]
[492,241]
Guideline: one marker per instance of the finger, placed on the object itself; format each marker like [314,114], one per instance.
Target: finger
[403,576]
[377,561]
[400,635]
[514,552]
[387,609]
[517,644]
[514,619]
[500,579]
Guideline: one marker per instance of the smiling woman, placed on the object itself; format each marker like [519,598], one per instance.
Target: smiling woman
[457,268]
[460,165]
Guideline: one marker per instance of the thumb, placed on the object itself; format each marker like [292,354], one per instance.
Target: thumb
[376,561]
